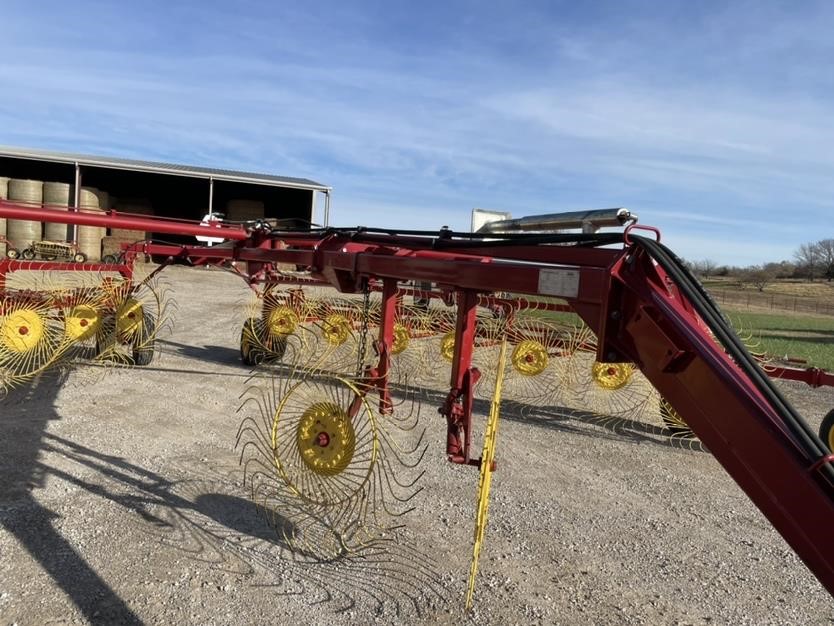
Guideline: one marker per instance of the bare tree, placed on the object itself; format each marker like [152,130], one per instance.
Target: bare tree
[704,267]
[759,277]
[825,252]
[808,259]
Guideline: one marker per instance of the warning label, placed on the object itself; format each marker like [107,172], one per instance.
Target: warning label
[559,282]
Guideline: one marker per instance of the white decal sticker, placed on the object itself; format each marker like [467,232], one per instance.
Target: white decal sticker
[562,283]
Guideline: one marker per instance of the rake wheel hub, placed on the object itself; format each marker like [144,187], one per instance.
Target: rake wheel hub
[611,376]
[81,322]
[325,438]
[21,331]
[447,346]
[529,358]
[281,321]
[401,339]
[129,319]
[336,329]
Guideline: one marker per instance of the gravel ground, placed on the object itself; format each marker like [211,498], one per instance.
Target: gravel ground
[121,501]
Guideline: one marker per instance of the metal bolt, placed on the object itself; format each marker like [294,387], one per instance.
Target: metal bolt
[615,315]
[611,356]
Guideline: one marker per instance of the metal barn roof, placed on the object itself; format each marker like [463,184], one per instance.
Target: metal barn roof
[162,168]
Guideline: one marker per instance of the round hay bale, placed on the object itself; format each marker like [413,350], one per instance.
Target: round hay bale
[89,238]
[55,196]
[88,198]
[23,232]
[103,200]
[244,210]
[4,194]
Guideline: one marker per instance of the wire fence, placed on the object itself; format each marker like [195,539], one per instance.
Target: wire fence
[758,300]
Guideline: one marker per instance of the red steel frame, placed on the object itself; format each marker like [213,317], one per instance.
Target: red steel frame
[633,306]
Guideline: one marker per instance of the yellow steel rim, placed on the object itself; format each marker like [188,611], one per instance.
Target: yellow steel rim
[529,358]
[401,339]
[611,376]
[22,330]
[831,438]
[336,329]
[447,346]
[325,438]
[81,322]
[129,318]
[282,321]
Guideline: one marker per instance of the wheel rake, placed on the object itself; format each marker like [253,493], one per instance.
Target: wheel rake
[31,337]
[317,450]
[328,330]
[50,320]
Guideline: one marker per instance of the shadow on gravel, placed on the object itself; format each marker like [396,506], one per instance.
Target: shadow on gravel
[574,421]
[211,521]
[208,519]
[23,422]
[221,355]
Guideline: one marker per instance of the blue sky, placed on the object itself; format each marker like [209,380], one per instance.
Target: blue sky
[711,120]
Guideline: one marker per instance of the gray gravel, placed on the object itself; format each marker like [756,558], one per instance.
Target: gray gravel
[121,502]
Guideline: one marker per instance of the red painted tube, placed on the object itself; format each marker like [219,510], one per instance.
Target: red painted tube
[112,219]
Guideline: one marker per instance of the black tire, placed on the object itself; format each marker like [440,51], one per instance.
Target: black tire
[143,345]
[827,430]
[252,337]
[28,254]
[79,257]
[110,259]
[256,346]
[13,253]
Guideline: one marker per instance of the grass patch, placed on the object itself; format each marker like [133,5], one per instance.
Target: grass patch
[779,335]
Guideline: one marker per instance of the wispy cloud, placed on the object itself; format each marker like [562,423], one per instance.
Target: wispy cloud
[417,116]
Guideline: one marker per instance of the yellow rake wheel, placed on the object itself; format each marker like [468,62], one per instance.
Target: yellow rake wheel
[30,342]
[82,322]
[529,358]
[336,329]
[325,438]
[447,346]
[611,376]
[324,441]
[129,319]
[402,337]
[22,331]
[281,321]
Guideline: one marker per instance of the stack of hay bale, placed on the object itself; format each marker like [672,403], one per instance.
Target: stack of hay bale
[23,233]
[58,197]
[89,237]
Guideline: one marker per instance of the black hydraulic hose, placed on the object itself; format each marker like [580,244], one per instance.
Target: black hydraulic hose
[805,437]
[451,239]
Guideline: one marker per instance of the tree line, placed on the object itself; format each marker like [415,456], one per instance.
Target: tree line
[811,261]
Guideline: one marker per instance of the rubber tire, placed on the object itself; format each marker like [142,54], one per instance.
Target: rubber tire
[13,253]
[827,430]
[27,254]
[109,259]
[79,257]
[144,355]
[252,355]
